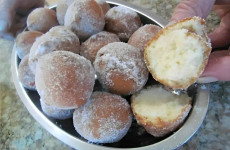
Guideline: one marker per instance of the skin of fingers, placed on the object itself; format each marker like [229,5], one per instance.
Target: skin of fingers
[218,65]
[220,37]
[190,8]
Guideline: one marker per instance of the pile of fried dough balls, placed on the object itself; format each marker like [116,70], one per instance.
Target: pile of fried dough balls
[64,50]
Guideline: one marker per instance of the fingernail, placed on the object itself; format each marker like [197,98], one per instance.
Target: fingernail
[3,25]
[207,79]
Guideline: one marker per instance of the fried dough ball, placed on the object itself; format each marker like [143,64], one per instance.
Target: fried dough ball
[85,18]
[120,68]
[55,112]
[24,42]
[42,19]
[61,9]
[104,6]
[64,79]
[122,21]
[58,38]
[160,111]
[25,74]
[141,37]
[91,46]
[106,118]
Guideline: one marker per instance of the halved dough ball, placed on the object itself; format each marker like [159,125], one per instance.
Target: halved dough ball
[177,57]
[85,18]
[141,37]
[55,112]
[61,9]
[64,79]
[25,74]
[159,111]
[92,45]
[120,68]
[24,42]
[42,19]
[106,118]
[122,21]
[58,38]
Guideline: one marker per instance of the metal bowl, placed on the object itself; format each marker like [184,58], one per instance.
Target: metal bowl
[137,138]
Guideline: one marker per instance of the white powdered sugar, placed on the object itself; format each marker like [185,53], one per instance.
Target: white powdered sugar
[85,18]
[58,38]
[122,21]
[120,12]
[105,118]
[91,46]
[141,37]
[67,81]
[123,58]
[25,74]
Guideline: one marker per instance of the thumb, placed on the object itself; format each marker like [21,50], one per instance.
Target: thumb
[220,37]
[190,8]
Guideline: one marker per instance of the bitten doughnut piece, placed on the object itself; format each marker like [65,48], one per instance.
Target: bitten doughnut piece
[91,46]
[55,112]
[195,25]
[104,6]
[180,61]
[120,68]
[42,19]
[141,37]
[122,21]
[24,42]
[25,74]
[160,111]
[58,38]
[64,79]
[85,18]
[61,9]
[105,118]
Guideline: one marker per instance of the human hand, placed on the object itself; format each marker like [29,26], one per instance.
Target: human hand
[218,67]
[14,14]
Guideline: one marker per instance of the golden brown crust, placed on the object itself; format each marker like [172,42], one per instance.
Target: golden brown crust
[160,128]
[24,42]
[117,20]
[42,19]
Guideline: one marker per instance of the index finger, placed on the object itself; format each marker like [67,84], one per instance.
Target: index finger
[191,8]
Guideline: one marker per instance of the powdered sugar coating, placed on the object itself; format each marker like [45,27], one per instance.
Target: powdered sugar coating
[61,9]
[55,112]
[64,79]
[42,19]
[106,118]
[122,21]
[91,46]
[24,42]
[140,37]
[119,65]
[58,38]
[85,18]
[26,76]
